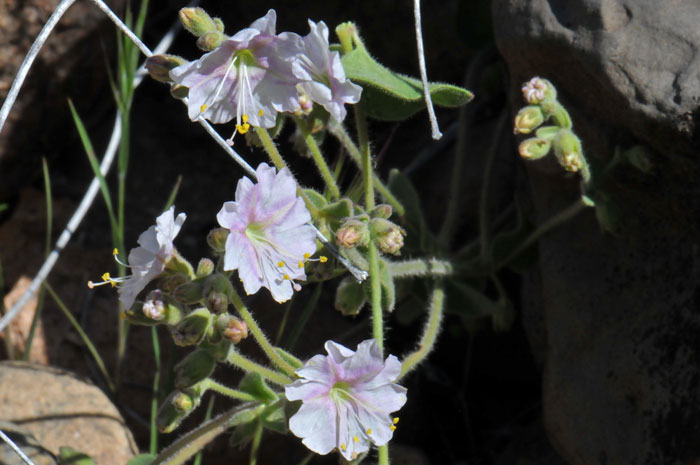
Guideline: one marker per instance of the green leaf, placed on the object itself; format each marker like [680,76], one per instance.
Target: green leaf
[254,384]
[390,96]
[142,459]
[70,456]
[289,358]
[339,210]
[243,434]
[274,417]
[318,200]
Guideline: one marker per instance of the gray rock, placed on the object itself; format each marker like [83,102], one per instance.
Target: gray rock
[626,65]
[60,409]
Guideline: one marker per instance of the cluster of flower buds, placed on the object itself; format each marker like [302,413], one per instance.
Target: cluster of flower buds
[542,97]
[256,73]
[358,231]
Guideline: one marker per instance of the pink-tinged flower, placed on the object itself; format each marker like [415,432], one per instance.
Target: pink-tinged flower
[347,398]
[148,261]
[248,77]
[323,74]
[270,236]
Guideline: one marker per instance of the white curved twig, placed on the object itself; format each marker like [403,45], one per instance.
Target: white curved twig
[424,73]
[15,448]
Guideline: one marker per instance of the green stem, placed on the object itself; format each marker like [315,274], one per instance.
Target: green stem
[153,445]
[366,158]
[561,217]
[207,417]
[420,267]
[484,227]
[188,445]
[344,138]
[376,296]
[217,387]
[432,328]
[247,365]
[278,161]
[383,454]
[255,446]
[321,164]
[259,336]
[83,336]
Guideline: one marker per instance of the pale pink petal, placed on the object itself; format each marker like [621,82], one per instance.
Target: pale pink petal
[305,390]
[315,423]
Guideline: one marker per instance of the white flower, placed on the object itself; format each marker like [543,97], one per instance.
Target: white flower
[347,398]
[269,233]
[148,261]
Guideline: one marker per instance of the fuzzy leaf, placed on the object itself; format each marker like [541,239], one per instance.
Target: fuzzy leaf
[255,385]
[142,459]
[390,96]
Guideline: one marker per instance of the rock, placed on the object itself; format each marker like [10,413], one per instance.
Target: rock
[59,409]
[26,443]
[629,65]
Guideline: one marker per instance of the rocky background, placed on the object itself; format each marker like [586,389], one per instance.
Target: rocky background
[602,364]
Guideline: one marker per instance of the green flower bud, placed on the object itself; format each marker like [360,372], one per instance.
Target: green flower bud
[179,91]
[558,113]
[197,21]
[217,302]
[217,239]
[168,418]
[192,329]
[171,281]
[388,236]
[159,307]
[179,264]
[189,292]
[219,24]
[567,149]
[205,267]
[349,297]
[210,41]
[352,233]
[534,148]
[528,119]
[159,66]
[382,210]
[198,365]
[232,328]
[217,288]
[547,132]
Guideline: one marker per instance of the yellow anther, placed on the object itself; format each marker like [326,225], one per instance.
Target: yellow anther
[244,118]
[280,264]
[306,256]
[344,447]
[323,259]
[369,430]
[260,112]
[106,277]
[301,264]
[392,427]
[203,107]
[356,439]
[243,128]
[395,420]
[286,276]
[122,315]
[311,363]
[115,251]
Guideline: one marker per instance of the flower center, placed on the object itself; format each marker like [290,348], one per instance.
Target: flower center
[255,232]
[340,392]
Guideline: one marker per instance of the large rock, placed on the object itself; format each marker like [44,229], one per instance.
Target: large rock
[619,312]
[59,409]
[632,65]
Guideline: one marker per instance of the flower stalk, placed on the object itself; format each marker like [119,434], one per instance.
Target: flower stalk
[420,267]
[432,328]
[321,164]
[234,358]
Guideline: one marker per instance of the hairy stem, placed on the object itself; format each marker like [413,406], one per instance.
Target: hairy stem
[376,296]
[259,336]
[321,164]
[210,384]
[430,332]
[420,267]
[234,358]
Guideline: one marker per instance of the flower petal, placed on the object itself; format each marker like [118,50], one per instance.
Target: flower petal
[315,423]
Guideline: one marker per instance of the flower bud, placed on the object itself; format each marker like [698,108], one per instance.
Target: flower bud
[217,302]
[559,115]
[217,239]
[232,328]
[217,288]
[567,148]
[537,90]
[192,329]
[179,91]
[182,402]
[198,365]
[159,66]
[210,41]
[382,210]
[389,236]
[528,119]
[189,293]
[219,24]
[159,307]
[352,233]
[534,148]
[205,267]
[197,21]
[170,281]
[349,297]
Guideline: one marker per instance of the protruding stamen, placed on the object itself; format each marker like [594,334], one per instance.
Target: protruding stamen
[280,264]
[344,447]
[260,112]
[392,427]
[395,420]
[296,286]
[356,439]
[322,259]
[307,255]
[115,251]
[301,264]
[369,430]
[285,277]
[106,279]
[203,107]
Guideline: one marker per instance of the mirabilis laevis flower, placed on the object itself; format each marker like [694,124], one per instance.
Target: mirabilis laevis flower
[249,77]
[148,260]
[347,398]
[269,233]
[323,74]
